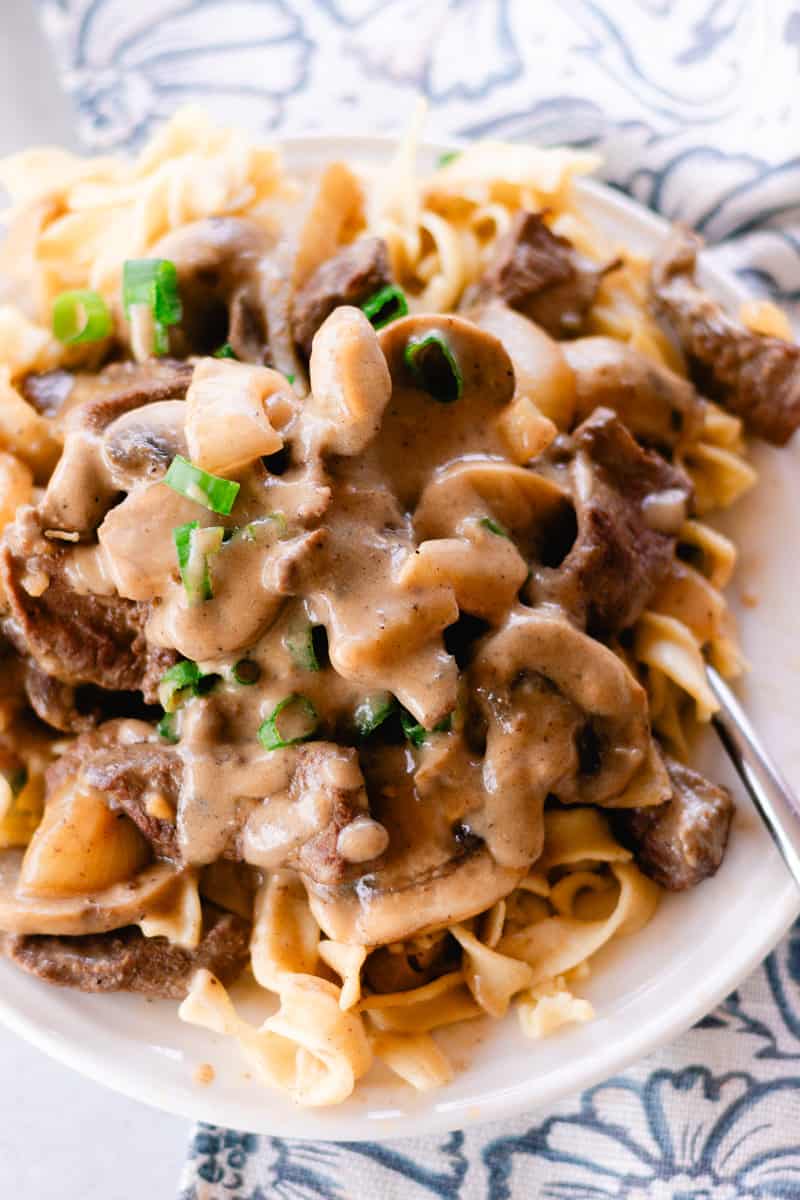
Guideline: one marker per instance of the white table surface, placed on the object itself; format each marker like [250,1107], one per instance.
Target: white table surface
[63,1137]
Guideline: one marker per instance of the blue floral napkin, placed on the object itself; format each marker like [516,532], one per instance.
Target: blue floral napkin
[696,107]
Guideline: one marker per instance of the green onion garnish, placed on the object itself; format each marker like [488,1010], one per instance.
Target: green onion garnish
[166,728]
[195,484]
[300,644]
[449,156]
[177,682]
[153,282]
[372,711]
[194,546]
[246,672]
[298,713]
[494,527]
[434,367]
[385,305]
[417,734]
[81,316]
[291,378]
[225,351]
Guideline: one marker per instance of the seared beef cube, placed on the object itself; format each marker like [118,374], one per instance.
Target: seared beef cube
[629,505]
[350,277]
[126,960]
[76,637]
[682,842]
[754,376]
[541,275]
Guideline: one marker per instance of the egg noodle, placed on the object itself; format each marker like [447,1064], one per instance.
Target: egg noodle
[72,223]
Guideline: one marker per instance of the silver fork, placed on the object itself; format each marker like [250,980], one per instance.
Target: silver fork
[777,805]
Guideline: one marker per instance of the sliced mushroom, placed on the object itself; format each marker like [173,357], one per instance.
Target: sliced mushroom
[541,364]
[350,385]
[139,446]
[218,262]
[123,904]
[523,503]
[541,685]
[659,407]
[417,425]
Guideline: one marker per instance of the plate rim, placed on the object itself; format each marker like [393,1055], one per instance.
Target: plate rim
[533,1094]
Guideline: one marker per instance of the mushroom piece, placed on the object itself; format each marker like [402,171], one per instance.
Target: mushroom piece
[541,364]
[479,522]
[121,904]
[139,446]
[544,689]
[464,813]
[523,503]
[218,261]
[82,487]
[350,385]
[658,406]
[451,400]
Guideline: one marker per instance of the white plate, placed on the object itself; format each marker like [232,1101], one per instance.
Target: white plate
[646,989]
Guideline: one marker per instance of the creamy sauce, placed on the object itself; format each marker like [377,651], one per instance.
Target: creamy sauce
[390,837]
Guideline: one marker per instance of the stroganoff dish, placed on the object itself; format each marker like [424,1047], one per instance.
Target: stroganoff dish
[355,588]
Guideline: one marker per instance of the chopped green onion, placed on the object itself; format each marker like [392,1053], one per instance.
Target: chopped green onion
[291,378]
[225,351]
[299,712]
[194,546]
[176,682]
[246,672]
[434,367]
[195,484]
[449,156]
[372,711]
[153,282]
[385,305]
[494,527]
[417,734]
[166,728]
[300,644]
[81,316]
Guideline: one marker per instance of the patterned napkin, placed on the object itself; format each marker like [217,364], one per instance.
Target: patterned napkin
[694,104]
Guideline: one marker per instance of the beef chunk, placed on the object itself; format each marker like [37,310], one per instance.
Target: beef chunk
[680,843]
[629,506]
[122,761]
[131,775]
[541,275]
[350,277]
[97,400]
[76,638]
[754,376]
[125,960]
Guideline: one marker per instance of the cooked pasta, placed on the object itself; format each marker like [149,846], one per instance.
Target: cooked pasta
[356,588]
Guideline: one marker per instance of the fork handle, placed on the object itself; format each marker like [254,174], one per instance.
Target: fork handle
[777,805]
